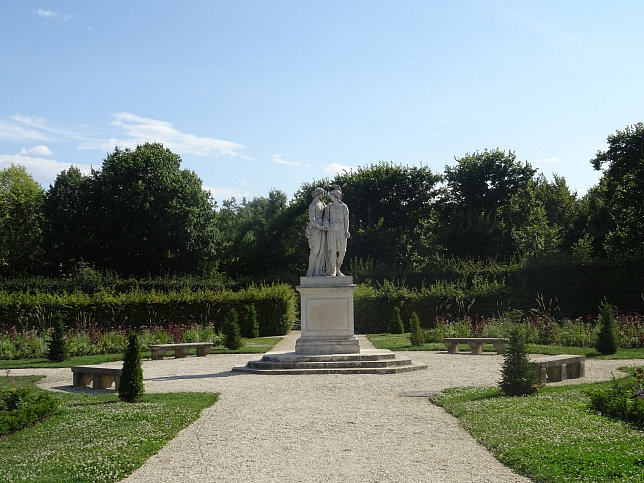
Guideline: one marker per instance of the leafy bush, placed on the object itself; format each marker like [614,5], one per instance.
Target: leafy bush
[231,331]
[20,408]
[417,337]
[395,323]
[623,400]
[131,385]
[518,377]
[607,342]
[58,350]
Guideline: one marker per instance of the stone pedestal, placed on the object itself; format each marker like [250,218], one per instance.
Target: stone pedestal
[327,316]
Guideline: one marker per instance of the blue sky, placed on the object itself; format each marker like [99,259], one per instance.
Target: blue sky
[260,94]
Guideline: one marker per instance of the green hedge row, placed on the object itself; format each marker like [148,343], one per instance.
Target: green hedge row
[276,307]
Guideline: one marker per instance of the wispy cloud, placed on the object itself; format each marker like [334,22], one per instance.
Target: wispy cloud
[337,168]
[221,193]
[277,158]
[139,130]
[42,169]
[36,151]
[53,15]
[10,131]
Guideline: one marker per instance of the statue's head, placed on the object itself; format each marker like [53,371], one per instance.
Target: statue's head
[336,193]
[317,192]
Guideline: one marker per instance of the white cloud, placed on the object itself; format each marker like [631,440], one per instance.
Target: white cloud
[51,14]
[43,170]
[140,130]
[36,151]
[45,13]
[13,132]
[277,158]
[337,168]
[221,193]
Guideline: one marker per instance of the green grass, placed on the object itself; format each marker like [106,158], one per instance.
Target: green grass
[257,345]
[551,436]
[95,438]
[400,342]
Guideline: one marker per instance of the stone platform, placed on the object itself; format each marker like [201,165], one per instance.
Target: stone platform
[368,361]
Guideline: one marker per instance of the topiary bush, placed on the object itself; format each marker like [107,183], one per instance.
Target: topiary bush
[58,347]
[607,339]
[395,323]
[518,377]
[231,331]
[417,337]
[131,385]
[250,328]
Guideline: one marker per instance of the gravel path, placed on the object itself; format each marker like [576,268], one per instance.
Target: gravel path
[331,428]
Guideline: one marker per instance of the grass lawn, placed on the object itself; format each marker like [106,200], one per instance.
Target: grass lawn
[95,438]
[257,345]
[551,436]
[400,342]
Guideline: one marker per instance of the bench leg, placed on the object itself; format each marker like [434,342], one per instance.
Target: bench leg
[158,354]
[82,379]
[564,372]
[582,368]
[117,382]
[451,347]
[180,352]
[203,351]
[476,347]
[500,347]
[543,375]
[105,381]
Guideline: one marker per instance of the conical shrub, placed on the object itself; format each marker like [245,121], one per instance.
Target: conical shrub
[417,337]
[607,338]
[131,385]
[396,325]
[231,331]
[250,328]
[58,348]
[518,377]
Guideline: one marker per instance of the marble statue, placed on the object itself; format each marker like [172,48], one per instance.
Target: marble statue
[315,233]
[336,222]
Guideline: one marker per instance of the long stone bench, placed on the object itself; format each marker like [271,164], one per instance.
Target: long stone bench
[180,349]
[559,368]
[475,344]
[98,376]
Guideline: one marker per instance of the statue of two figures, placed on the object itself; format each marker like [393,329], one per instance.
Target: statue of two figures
[327,232]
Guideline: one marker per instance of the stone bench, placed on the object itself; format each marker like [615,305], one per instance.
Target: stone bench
[475,343]
[99,376]
[180,350]
[559,368]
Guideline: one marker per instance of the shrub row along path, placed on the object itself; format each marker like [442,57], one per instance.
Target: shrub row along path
[330,428]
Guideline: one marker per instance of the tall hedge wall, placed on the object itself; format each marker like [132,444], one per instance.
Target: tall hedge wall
[276,308]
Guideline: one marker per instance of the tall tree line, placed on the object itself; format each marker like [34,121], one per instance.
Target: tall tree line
[141,214]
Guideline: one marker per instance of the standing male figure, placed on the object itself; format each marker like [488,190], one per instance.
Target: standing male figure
[315,234]
[336,219]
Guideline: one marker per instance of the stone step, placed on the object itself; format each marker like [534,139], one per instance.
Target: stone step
[373,355]
[345,370]
[339,364]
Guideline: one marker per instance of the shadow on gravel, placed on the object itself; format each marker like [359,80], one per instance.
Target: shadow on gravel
[194,376]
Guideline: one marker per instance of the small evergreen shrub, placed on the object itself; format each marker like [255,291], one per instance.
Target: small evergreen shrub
[231,331]
[396,324]
[250,329]
[417,337]
[518,377]
[20,408]
[58,347]
[131,385]
[607,339]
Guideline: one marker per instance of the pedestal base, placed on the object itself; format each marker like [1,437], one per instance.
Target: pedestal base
[327,345]
[327,316]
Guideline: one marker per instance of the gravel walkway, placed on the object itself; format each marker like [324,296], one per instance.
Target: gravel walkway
[331,428]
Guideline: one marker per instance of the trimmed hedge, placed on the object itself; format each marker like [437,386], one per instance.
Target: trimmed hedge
[276,307]
[20,408]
